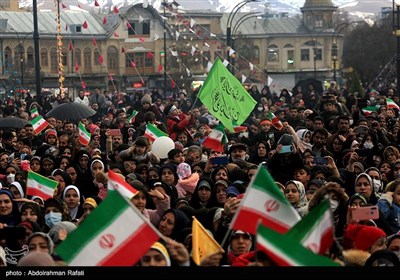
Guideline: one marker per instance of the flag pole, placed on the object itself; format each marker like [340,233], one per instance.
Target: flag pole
[228,232]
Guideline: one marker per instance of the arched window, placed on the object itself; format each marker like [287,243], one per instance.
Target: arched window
[273,53]
[311,46]
[30,58]
[87,59]
[44,57]
[290,55]
[53,60]
[18,57]
[97,57]
[77,57]
[7,60]
[65,57]
[256,54]
[112,58]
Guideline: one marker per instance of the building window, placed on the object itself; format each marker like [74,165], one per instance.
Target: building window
[139,28]
[18,56]
[305,54]
[96,57]
[140,59]
[273,53]
[75,28]
[318,53]
[44,59]
[290,58]
[319,21]
[30,58]
[315,47]
[112,58]
[53,60]
[87,56]
[256,55]
[77,57]
[5,3]
[65,57]
[7,58]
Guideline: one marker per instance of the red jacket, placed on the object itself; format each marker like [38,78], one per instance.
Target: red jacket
[177,124]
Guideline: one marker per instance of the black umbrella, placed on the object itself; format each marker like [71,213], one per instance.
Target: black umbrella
[12,122]
[318,87]
[71,111]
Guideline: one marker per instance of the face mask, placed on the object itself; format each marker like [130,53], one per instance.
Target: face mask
[260,108]
[351,122]
[334,204]
[377,185]
[368,145]
[52,218]
[11,178]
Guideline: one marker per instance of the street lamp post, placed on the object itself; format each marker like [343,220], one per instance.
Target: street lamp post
[165,48]
[396,31]
[37,53]
[334,58]
[315,59]
[21,52]
[229,27]
[233,33]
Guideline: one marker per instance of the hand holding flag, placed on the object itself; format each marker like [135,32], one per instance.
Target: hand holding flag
[264,201]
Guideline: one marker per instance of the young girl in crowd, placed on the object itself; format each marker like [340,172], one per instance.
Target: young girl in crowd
[187,180]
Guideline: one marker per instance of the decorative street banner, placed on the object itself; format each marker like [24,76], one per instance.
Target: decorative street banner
[225,97]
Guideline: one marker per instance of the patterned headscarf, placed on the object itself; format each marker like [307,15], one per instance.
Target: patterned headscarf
[301,206]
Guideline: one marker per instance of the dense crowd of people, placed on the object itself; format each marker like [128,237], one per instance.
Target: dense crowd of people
[326,144]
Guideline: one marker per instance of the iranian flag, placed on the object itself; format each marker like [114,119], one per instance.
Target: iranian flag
[114,234]
[369,110]
[84,135]
[287,251]
[131,119]
[239,128]
[216,139]
[115,182]
[315,230]
[390,104]
[39,124]
[276,122]
[264,202]
[38,185]
[152,132]
[34,113]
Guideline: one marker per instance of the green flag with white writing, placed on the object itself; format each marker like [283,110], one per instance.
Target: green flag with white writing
[225,97]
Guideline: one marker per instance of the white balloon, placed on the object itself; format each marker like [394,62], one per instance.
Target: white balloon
[161,146]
